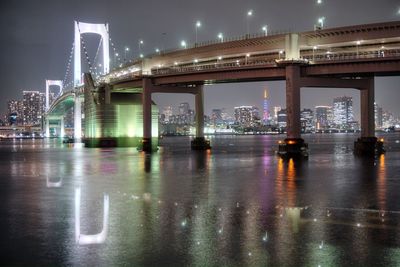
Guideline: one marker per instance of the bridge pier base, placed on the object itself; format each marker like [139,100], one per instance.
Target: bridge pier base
[293,145]
[77,119]
[368,144]
[47,127]
[147,143]
[62,129]
[199,142]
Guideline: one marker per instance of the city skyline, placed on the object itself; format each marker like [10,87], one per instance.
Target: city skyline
[22,51]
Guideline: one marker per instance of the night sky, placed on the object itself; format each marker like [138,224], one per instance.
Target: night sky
[37,36]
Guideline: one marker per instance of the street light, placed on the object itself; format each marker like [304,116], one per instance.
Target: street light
[183,44]
[140,45]
[141,55]
[247,56]
[126,51]
[157,50]
[321,21]
[319,2]
[198,25]
[314,48]
[249,15]
[265,30]
[221,37]
[357,44]
[116,55]
[280,53]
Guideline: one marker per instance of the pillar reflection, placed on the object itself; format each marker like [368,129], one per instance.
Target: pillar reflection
[99,238]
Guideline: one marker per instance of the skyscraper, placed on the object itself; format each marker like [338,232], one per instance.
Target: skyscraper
[167,111]
[32,108]
[343,111]
[281,118]
[184,108]
[246,115]
[307,119]
[378,116]
[276,110]
[216,116]
[266,114]
[322,116]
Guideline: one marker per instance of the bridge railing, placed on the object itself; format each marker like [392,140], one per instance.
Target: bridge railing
[354,55]
[268,62]
[216,41]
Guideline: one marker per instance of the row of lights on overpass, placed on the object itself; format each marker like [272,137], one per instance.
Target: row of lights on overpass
[220,35]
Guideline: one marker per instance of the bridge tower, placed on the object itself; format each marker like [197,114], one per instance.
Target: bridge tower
[49,83]
[100,29]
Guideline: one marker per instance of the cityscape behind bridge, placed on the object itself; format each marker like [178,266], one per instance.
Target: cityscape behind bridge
[117,105]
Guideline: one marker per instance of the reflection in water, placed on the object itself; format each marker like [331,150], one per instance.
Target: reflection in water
[99,238]
[381,183]
[230,207]
[51,184]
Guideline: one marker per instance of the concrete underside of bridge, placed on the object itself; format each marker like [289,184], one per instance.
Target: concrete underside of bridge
[115,119]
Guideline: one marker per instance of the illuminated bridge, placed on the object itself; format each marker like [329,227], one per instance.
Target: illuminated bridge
[118,109]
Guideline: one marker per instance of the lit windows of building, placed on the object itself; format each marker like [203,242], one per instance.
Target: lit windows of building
[247,116]
[343,111]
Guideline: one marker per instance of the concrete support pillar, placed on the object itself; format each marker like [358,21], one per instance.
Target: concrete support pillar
[199,103]
[77,118]
[199,142]
[47,125]
[62,129]
[368,144]
[367,99]
[293,101]
[146,103]
[292,49]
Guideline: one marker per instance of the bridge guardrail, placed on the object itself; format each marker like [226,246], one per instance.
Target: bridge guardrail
[253,61]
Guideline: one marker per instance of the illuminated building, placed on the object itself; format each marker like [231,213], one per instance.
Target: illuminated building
[323,116]
[184,108]
[216,116]
[32,108]
[378,116]
[275,115]
[266,114]
[167,112]
[281,118]
[307,120]
[343,111]
[246,115]
[16,108]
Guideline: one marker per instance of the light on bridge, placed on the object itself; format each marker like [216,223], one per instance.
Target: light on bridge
[319,2]
[221,37]
[321,22]
[280,54]
[265,30]
[198,25]
[249,15]
[183,43]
